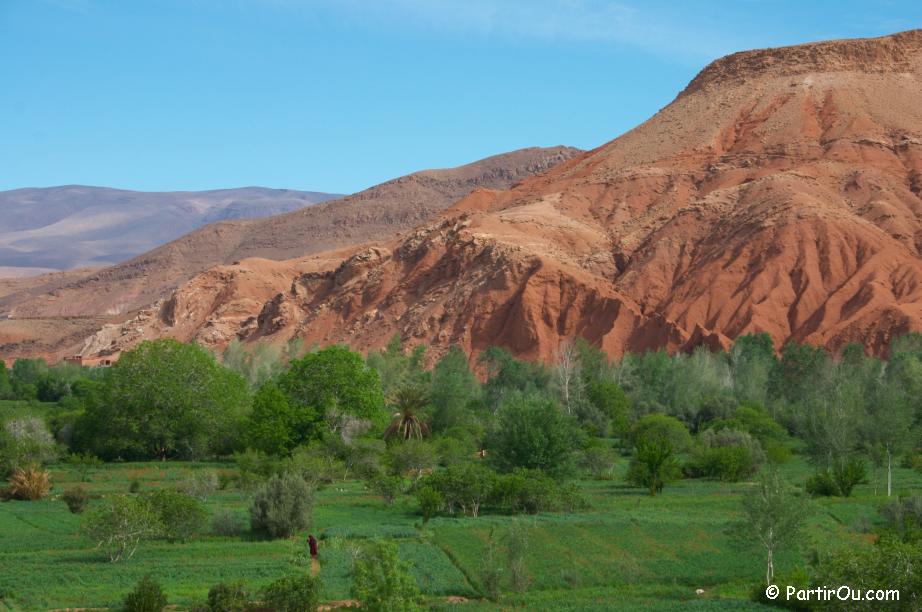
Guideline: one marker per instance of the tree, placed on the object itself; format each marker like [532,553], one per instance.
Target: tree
[567,374]
[506,375]
[331,380]
[396,369]
[407,424]
[275,427]
[181,516]
[412,456]
[772,517]
[147,596]
[6,387]
[293,593]
[25,441]
[165,399]
[533,432]
[612,402]
[282,506]
[658,439]
[751,361]
[120,524]
[382,582]
[452,390]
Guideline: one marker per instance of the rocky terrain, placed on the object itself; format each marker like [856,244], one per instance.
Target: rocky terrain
[378,213]
[780,192]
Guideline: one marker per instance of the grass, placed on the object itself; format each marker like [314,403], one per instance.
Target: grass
[628,551]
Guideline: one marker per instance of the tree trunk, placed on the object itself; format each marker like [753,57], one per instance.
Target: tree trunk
[889,473]
[770,568]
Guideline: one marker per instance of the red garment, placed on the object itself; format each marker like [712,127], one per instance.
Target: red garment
[312,543]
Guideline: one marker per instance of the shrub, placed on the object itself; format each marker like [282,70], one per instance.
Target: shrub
[599,462]
[726,454]
[517,542]
[134,486]
[200,484]
[840,479]
[466,486]
[76,499]
[226,522]
[182,516]
[904,517]
[528,491]
[119,525]
[491,569]
[382,582]
[147,596]
[387,486]
[430,502]
[29,484]
[228,597]
[657,440]
[293,593]
[282,506]
[25,441]
[83,463]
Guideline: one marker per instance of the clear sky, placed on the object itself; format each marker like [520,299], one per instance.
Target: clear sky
[337,95]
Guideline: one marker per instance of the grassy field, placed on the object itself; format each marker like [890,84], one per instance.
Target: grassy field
[627,551]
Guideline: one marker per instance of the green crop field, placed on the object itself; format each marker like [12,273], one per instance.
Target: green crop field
[626,551]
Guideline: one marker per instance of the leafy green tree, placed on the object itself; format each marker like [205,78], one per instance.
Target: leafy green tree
[773,518]
[274,426]
[752,359]
[120,524]
[256,364]
[658,440]
[507,375]
[412,457]
[181,516]
[25,377]
[25,441]
[396,368]
[612,402]
[282,506]
[452,391]
[166,399]
[533,432]
[383,582]
[333,380]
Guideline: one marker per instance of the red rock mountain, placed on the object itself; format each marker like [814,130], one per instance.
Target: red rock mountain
[779,192]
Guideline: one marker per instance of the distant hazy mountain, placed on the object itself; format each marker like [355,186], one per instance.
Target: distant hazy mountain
[59,228]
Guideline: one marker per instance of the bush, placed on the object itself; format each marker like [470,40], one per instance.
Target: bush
[840,480]
[226,522]
[430,502]
[228,597]
[599,461]
[466,486]
[528,491]
[725,454]
[904,517]
[387,486]
[182,516]
[134,486]
[29,484]
[119,525]
[25,441]
[382,582]
[200,484]
[294,593]
[83,463]
[147,596]
[282,506]
[658,439]
[76,499]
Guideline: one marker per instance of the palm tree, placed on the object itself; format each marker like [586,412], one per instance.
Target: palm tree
[406,423]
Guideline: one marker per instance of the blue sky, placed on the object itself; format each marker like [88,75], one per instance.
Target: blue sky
[337,95]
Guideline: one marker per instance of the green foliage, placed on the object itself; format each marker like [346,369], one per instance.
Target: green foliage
[725,454]
[382,582]
[517,542]
[76,499]
[226,522]
[773,518]
[526,491]
[282,506]
[599,461]
[658,439]
[84,463]
[328,383]
[453,390]
[293,593]
[147,596]
[611,401]
[165,399]
[412,457]
[465,486]
[532,432]
[409,404]
[228,597]
[904,517]
[387,486]
[890,564]
[491,569]
[509,375]
[259,362]
[181,516]
[200,484]
[430,501]
[25,441]
[275,427]
[398,370]
[840,479]
[119,525]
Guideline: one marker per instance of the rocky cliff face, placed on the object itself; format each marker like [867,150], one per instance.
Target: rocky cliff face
[779,192]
